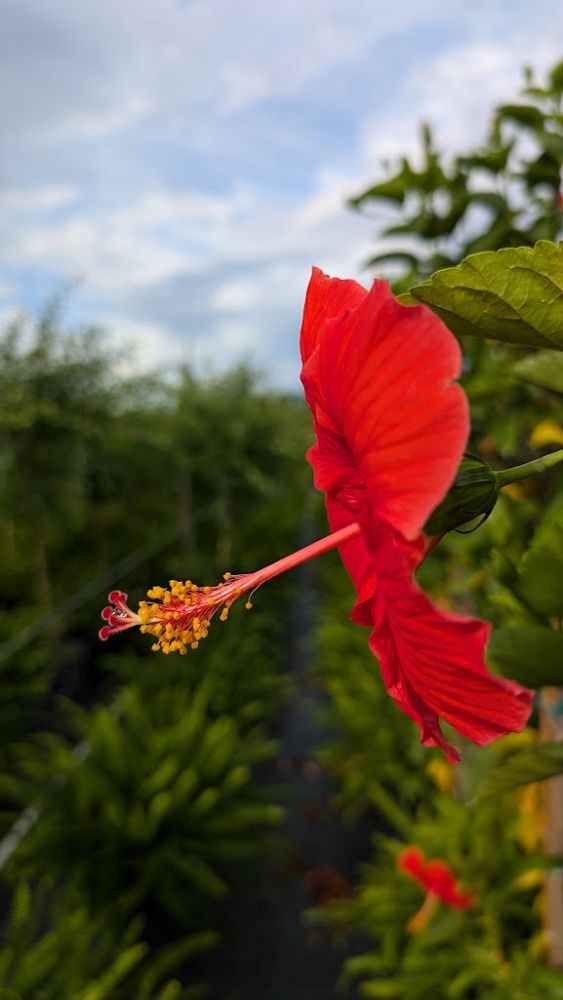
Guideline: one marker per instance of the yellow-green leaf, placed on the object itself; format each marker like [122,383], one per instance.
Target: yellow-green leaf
[513,295]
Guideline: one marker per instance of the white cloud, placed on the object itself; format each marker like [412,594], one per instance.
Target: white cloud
[461,86]
[139,347]
[37,199]
[73,70]
[147,237]
[189,163]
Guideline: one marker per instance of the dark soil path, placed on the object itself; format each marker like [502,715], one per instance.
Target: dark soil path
[269,952]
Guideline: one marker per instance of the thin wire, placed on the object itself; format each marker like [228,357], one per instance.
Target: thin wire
[86,593]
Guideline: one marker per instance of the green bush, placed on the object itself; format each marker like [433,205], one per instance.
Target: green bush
[154,804]
[53,949]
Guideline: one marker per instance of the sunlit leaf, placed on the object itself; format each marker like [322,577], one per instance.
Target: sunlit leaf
[514,295]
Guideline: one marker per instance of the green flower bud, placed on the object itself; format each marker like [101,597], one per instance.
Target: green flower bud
[474,492]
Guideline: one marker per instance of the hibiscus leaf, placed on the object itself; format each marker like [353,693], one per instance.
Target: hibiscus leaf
[530,654]
[514,295]
[523,768]
[541,569]
[543,368]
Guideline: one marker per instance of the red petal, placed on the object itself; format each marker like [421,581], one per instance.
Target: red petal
[386,416]
[325,298]
[439,878]
[357,556]
[433,662]
[358,560]
[411,862]
[390,432]
[461,900]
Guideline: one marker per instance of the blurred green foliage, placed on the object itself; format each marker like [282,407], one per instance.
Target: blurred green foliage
[53,948]
[143,777]
[153,805]
[504,194]
[377,764]
[144,780]
[491,950]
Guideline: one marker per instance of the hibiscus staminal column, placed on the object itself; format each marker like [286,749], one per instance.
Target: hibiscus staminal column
[179,617]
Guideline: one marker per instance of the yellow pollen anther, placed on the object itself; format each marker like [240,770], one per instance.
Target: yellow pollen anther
[179,618]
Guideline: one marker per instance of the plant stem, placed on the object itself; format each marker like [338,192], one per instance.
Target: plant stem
[528,469]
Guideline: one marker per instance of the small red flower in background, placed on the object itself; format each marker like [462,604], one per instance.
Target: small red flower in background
[391,429]
[437,878]
[390,432]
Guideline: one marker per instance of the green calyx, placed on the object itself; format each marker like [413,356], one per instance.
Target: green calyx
[473,494]
[475,490]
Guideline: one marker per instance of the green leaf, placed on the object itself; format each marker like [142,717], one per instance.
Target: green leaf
[172,991]
[392,189]
[543,368]
[169,956]
[22,910]
[543,170]
[493,159]
[556,77]
[530,654]
[514,295]
[399,256]
[541,570]
[199,873]
[490,199]
[522,768]
[524,114]
[103,988]
[501,233]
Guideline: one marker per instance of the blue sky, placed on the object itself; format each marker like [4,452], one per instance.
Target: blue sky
[183,163]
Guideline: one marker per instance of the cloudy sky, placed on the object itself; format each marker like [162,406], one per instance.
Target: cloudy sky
[182,163]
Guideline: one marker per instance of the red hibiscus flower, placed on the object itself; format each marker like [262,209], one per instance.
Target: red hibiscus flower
[437,878]
[434,876]
[390,430]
